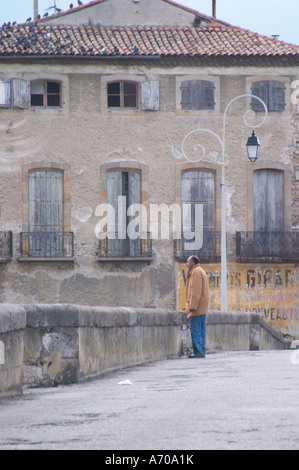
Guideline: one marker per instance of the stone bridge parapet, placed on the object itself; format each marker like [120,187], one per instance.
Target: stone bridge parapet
[51,344]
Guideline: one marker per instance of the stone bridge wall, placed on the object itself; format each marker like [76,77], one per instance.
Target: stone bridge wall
[45,345]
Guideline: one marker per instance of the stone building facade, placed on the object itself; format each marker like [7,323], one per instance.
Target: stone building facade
[95,103]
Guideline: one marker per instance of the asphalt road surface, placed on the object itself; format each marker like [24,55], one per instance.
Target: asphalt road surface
[229,400]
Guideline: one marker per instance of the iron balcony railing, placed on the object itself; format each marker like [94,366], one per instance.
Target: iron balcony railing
[5,246]
[123,249]
[47,244]
[267,246]
[209,251]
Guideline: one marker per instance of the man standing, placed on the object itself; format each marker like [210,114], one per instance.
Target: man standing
[197,305]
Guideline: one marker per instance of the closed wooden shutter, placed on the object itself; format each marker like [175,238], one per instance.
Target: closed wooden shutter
[123,189]
[46,212]
[198,187]
[134,197]
[271,92]
[197,95]
[277,96]
[268,190]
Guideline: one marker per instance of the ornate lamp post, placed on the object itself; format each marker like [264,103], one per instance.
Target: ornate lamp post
[253,148]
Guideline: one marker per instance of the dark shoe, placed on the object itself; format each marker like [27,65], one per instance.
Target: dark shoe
[197,356]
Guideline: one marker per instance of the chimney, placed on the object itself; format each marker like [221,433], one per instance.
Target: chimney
[35,9]
[214,9]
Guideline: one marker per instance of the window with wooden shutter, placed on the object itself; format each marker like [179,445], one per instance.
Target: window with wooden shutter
[123,190]
[197,95]
[268,193]
[198,187]
[271,92]
[45,193]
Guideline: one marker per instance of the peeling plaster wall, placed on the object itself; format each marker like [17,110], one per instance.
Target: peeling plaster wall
[84,135]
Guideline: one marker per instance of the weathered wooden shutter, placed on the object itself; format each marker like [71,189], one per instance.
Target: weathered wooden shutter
[134,197]
[197,95]
[125,185]
[268,191]
[198,187]
[150,95]
[5,93]
[114,231]
[46,212]
[20,93]
[277,96]
[271,92]
[259,89]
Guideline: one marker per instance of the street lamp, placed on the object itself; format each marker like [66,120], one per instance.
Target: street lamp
[253,148]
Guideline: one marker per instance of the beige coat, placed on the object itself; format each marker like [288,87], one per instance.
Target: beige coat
[197,292]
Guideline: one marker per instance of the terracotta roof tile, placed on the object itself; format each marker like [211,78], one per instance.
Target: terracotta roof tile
[216,39]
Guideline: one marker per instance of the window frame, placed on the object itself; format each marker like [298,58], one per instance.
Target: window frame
[46,94]
[215,80]
[124,167]
[64,168]
[148,94]
[270,78]
[122,95]
[197,87]
[214,169]
[287,191]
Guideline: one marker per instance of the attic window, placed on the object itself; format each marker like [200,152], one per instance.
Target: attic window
[45,93]
[122,95]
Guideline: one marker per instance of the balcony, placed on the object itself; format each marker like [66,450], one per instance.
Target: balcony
[5,246]
[267,246]
[125,250]
[209,252]
[47,246]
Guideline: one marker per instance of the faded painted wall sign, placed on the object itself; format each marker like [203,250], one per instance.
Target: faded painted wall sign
[272,291]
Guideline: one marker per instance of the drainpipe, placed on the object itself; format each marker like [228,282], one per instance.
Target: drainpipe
[35,9]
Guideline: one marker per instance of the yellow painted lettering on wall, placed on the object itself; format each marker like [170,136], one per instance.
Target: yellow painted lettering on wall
[272,291]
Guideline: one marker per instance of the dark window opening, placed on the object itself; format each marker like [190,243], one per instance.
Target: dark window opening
[122,95]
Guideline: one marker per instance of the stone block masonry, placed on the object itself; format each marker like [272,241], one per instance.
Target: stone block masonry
[51,344]
[12,330]
[68,343]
